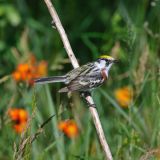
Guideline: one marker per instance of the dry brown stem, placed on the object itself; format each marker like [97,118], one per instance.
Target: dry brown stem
[75,64]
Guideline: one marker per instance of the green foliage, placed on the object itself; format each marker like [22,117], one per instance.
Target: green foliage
[129,31]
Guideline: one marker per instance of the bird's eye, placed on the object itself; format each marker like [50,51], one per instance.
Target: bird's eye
[107,62]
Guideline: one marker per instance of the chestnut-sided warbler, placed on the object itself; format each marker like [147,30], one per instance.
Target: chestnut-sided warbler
[85,77]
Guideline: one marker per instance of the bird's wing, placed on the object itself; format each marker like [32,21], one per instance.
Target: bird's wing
[85,81]
[77,72]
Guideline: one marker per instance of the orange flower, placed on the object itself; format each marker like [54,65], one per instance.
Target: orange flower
[69,128]
[124,96]
[19,117]
[42,68]
[16,76]
[19,128]
[24,67]
[30,70]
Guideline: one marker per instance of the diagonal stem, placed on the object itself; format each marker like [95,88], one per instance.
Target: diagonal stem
[75,64]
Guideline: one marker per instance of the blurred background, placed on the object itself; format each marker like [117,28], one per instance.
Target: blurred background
[128,103]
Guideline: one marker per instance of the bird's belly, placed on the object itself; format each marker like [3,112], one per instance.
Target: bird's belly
[96,83]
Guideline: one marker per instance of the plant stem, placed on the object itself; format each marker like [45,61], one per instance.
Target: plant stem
[75,64]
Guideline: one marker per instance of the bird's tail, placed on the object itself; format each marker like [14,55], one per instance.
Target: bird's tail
[50,79]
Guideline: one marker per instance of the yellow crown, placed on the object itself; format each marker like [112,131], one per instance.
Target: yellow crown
[106,57]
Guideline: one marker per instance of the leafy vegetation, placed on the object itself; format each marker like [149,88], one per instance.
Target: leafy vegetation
[129,31]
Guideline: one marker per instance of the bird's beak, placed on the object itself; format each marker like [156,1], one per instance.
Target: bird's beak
[115,61]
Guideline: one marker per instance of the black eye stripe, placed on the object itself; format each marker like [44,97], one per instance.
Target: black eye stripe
[108,62]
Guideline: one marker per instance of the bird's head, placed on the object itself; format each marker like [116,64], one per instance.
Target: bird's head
[106,62]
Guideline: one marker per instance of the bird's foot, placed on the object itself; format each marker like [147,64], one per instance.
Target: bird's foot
[53,24]
[85,95]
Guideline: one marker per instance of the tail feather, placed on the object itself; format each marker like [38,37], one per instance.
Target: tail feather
[53,79]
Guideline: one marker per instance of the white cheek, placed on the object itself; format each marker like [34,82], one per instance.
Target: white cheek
[107,69]
[101,65]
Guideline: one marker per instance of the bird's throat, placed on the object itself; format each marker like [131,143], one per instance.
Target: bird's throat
[104,74]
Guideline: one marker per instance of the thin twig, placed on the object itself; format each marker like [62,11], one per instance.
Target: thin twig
[28,140]
[75,64]
[4,79]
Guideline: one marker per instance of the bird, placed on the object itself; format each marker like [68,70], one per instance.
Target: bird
[84,78]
